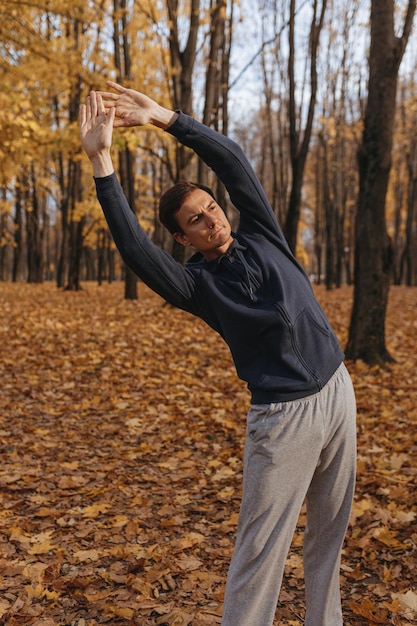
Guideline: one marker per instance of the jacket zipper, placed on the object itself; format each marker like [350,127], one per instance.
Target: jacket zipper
[248,284]
[295,345]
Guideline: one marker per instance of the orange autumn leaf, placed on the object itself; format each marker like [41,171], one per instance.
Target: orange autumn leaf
[371,611]
[122,464]
[388,538]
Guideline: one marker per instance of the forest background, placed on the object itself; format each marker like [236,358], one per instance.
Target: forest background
[102,520]
[255,70]
[330,136]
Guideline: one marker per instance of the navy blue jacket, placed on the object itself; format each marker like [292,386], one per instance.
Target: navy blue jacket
[256,296]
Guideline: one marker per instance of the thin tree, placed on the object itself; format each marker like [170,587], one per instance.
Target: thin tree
[34,231]
[217,80]
[300,140]
[182,68]
[373,254]
[272,170]
[69,174]
[408,270]
[409,257]
[122,61]
[18,227]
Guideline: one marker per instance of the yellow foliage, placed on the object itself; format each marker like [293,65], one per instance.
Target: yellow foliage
[6,207]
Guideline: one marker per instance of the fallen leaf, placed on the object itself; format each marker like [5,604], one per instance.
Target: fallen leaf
[407,600]
[122,464]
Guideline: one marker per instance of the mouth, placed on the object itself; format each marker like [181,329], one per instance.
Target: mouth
[216,232]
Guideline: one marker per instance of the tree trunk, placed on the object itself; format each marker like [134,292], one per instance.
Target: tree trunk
[75,228]
[319,220]
[224,87]
[18,225]
[299,147]
[34,233]
[127,177]
[373,254]
[3,236]
[126,159]
[269,164]
[213,78]
[182,64]
[69,176]
[75,252]
[409,264]
[217,83]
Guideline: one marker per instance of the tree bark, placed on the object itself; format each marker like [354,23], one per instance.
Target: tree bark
[34,233]
[299,146]
[213,77]
[126,158]
[217,83]
[182,64]
[69,180]
[18,225]
[409,265]
[373,253]
[3,231]
[75,229]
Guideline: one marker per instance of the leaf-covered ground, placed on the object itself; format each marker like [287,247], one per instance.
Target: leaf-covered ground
[121,434]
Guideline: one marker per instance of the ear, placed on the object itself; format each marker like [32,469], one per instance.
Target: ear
[182,239]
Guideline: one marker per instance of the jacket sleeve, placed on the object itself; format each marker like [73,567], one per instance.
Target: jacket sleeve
[154,266]
[227,160]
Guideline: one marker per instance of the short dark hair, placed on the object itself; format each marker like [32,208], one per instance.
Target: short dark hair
[171,201]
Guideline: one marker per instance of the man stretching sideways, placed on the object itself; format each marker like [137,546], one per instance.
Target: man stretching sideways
[247,285]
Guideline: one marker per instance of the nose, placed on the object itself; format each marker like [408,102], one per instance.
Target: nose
[211,222]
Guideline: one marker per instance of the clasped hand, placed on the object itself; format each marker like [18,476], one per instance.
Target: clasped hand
[132,108]
[104,111]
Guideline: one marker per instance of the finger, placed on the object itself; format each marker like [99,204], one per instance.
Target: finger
[82,114]
[109,99]
[93,104]
[116,86]
[111,116]
[88,109]
[100,104]
[108,95]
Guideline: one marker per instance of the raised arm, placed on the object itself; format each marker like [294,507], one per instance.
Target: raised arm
[156,267]
[220,153]
[226,158]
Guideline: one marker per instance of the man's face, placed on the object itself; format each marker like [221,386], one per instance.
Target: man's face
[203,225]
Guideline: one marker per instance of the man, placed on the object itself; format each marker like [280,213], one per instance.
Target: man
[247,285]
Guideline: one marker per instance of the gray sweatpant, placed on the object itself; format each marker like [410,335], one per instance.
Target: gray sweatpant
[295,451]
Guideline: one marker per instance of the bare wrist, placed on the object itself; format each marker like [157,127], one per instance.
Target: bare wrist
[163,118]
[102,165]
